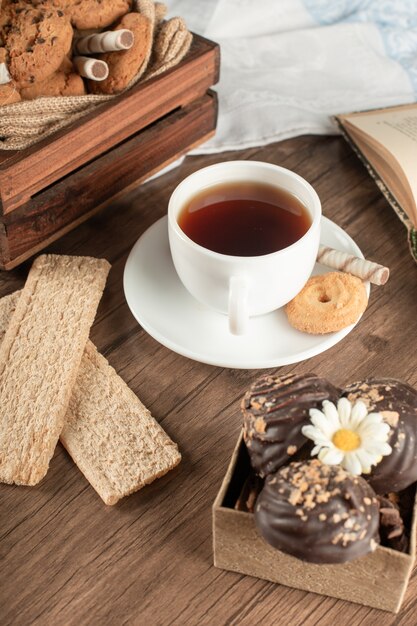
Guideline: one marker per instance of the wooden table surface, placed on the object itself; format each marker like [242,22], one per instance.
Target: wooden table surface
[66,558]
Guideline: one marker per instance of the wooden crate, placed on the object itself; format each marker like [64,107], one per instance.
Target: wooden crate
[51,187]
[378,579]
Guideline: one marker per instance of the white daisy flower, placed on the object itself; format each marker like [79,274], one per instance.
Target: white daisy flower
[348,436]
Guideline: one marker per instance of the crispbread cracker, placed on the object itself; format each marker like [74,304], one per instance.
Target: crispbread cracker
[111,436]
[40,355]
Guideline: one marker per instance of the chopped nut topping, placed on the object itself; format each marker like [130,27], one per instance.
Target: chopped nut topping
[391,418]
[260,425]
[374,395]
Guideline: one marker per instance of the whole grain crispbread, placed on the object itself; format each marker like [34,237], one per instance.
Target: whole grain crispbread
[40,355]
[111,436]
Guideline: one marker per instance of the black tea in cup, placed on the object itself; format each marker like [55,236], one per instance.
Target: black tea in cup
[244,218]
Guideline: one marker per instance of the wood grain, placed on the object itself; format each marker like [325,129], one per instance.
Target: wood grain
[68,559]
[29,171]
[56,184]
[71,201]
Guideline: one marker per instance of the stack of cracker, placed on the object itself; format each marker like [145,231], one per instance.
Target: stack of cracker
[55,385]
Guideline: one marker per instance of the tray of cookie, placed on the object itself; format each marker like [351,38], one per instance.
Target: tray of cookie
[320,493]
[95,97]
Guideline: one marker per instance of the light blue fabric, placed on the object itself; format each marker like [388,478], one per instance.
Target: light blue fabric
[396,21]
[289,66]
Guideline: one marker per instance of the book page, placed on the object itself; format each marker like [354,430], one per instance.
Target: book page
[396,129]
[395,186]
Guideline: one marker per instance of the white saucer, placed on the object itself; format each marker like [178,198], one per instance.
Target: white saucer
[165,309]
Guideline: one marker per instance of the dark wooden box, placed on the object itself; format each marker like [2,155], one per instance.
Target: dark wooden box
[51,187]
[378,580]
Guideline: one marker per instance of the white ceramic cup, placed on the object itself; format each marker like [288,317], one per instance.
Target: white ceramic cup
[243,286]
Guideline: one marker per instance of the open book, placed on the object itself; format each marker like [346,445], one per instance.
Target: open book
[386,141]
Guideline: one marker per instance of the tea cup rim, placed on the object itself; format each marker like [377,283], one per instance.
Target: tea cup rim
[173,219]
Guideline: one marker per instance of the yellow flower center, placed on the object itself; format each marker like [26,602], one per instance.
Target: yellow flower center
[346,440]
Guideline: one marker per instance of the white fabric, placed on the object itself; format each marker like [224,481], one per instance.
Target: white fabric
[287,66]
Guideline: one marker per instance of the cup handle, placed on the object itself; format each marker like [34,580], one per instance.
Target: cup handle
[238,305]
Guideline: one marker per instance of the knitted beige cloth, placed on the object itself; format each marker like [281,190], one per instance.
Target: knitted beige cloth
[24,123]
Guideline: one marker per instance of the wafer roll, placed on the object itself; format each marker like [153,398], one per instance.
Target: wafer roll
[111,436]
[109,41]
[39,359]
[91,68]
[4,74]
[366,270]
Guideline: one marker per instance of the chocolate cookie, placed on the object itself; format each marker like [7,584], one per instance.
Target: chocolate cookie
[397,402]
[85,14]
[274,410]
[126,64]
[59,84]
[318,513]
[90,14]
[36,44]
[9,94]
[6,15]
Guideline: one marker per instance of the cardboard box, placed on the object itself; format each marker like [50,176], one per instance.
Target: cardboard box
[378,580]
